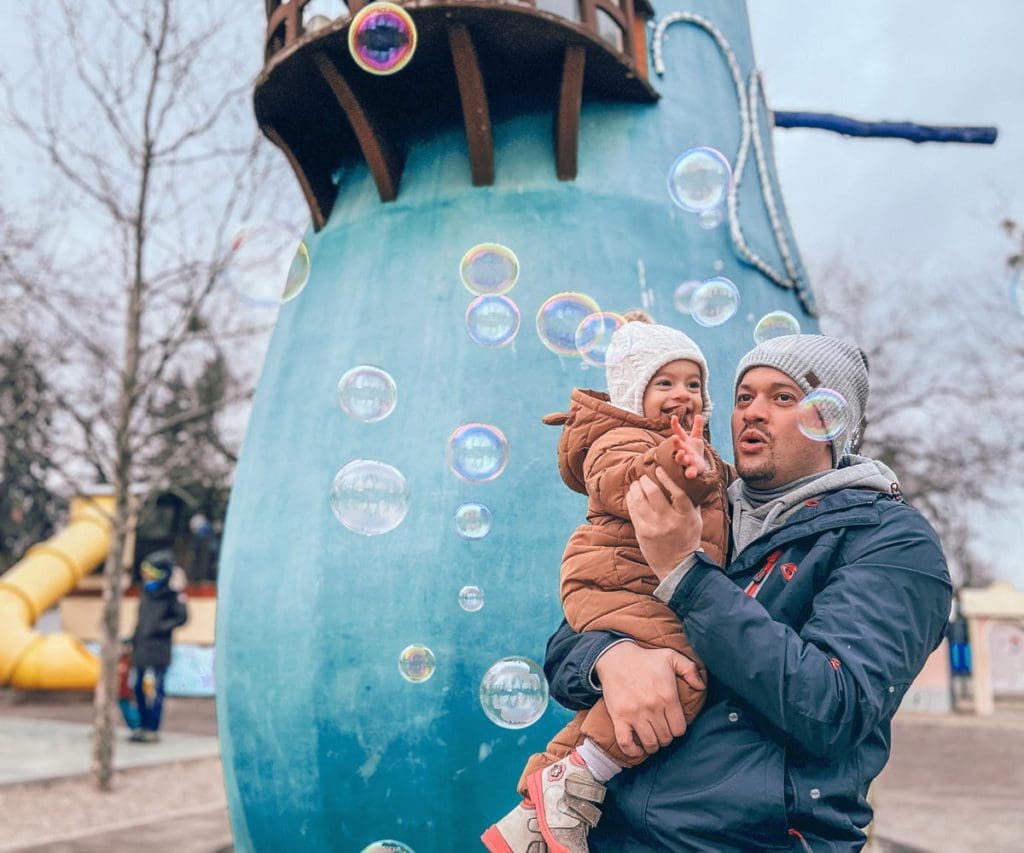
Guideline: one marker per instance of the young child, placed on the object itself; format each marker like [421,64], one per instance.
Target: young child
[125,693]
[657,378]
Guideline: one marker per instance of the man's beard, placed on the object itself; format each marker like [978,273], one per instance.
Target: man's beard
[757,472]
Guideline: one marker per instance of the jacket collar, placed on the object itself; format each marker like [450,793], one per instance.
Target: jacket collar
[843,509]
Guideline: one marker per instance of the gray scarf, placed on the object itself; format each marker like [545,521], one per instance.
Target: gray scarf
[758,512]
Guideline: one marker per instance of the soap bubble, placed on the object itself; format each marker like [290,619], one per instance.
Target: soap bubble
[492,321]
[714,302]
[514,692]
[298,273]
[489,268]
[267,264]
[823,415]
[594,335]
[369,497]
[559,318]
[683,296]
[775,325]
[416,663]
[472,520]
[471,598]
[387,846]
[700,179]
[477,452]
[382,38]
[367,393]
[710,219]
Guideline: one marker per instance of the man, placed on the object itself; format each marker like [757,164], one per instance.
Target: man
[161,609]
[834,594]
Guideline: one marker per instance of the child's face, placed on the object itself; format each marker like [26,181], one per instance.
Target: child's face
[674,390]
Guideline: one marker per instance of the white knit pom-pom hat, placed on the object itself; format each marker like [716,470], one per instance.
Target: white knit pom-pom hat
[637,351]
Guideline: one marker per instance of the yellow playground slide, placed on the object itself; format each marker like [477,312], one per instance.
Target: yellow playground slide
[49,571]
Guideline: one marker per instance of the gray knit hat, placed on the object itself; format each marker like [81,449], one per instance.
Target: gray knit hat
[817,361]
[637,351]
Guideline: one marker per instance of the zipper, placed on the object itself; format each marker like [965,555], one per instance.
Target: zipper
[754,587]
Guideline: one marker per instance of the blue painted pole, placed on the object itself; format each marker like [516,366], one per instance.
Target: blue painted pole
[887,129]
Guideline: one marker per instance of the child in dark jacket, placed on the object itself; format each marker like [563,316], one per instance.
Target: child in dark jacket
[161,610]
[657,377]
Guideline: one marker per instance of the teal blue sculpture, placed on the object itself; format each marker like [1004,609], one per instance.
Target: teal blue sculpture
[326,746]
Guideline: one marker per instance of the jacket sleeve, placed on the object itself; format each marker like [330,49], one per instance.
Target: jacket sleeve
[569,659]
[879,615]
[622,456]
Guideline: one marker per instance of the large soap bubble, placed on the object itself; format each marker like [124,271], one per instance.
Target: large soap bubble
[382,38]
[700,179]
[489,268]
[367,393]
[492,321]
[514,692]
[267,264]
[416,663]
[714,302]
[477,453]
[774,325]
[823,415]
[472,520]
[559,318]
[594,334]
[369,497]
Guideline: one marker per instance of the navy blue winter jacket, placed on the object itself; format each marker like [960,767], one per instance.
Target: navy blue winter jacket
[804,679]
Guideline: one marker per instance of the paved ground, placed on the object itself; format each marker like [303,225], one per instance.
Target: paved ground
[954,785]
[37,749]
[190,716]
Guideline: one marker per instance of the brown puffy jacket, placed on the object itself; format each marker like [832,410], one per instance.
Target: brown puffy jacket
[606,585]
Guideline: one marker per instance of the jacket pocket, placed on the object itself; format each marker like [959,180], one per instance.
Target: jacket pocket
[730,789]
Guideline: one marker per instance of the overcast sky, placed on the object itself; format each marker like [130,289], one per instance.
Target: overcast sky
[894,209]
[894,205]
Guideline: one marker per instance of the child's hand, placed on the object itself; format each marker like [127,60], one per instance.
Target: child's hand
[689,447]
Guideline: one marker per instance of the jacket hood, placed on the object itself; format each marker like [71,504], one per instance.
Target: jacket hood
[858,472]
[590,416]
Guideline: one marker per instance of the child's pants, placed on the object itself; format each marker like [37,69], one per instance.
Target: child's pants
[150,707]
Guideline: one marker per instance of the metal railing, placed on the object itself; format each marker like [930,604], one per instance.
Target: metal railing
[619,24]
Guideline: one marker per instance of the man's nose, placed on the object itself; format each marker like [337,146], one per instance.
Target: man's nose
[756,410]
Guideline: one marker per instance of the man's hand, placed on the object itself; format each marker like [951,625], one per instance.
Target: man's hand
[642,696]
[689,447]
[668,525]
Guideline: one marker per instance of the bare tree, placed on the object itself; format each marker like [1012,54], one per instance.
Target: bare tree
[945,401]
[139,112]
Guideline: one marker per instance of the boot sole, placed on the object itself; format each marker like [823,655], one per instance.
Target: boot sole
[535,785]
[494,841]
